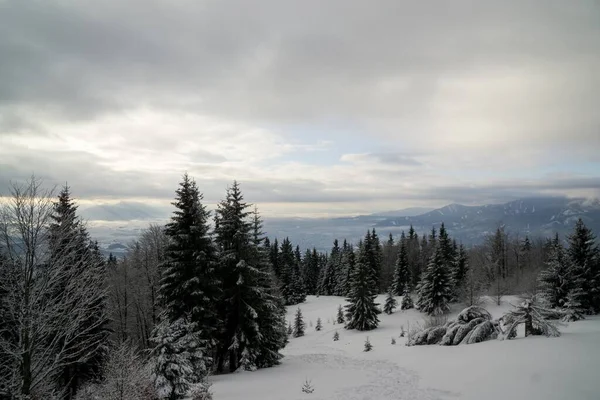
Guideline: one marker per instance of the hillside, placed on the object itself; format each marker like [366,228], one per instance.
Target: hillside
[534,368]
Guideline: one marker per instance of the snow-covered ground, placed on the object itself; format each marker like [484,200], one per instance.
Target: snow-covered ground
[565,368]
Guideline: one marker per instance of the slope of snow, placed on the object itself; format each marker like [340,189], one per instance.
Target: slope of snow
[529,369]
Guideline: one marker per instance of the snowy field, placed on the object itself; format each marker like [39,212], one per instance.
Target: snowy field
[534,368]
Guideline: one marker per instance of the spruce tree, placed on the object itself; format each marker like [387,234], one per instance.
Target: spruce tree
[253,324]
[435,289]
[319,325]
[585,257]
[368,345]
[459,274]
[556,280]
[407,301]
[73,253]
[271,310]
[401,271]
[390,303]
[299,324]
[340,315]
[292,287]
[336,336]
[189,289]
[361,312]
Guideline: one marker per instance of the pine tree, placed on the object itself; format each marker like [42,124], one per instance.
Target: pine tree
[336,336]
[368,345]
[556,280]
[180,359]
[79,260]
[319,325]
[253,325]
[340,315]
[461,269]
[299,324]
[290,330]
[362,311]
[585,257]
[271,310]
[534,316]
[393,340]
[390,303]
[329,283]
[435,289]
[401,271]
[407,302]
[292,287]
[189,289]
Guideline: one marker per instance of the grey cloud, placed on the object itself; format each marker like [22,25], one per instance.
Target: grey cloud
[271,59]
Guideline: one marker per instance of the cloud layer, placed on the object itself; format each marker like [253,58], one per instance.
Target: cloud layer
[317,108]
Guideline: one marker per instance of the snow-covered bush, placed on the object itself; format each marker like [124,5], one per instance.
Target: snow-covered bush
[473,325]
[127,376]
[201,392]
[534,316]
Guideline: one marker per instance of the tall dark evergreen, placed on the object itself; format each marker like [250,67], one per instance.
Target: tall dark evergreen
[435,289]
[585,257]
[188,292]
[362,310]
[79,260]
[311,271]
[271,310]
[330,274]
[459,273]
[390,302]
[292,285]
[557,279]
[402,271]
[247,304]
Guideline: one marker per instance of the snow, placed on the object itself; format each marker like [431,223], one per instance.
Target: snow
[525,368]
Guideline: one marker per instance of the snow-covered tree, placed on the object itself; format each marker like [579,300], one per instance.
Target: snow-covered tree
[179,358]
[362,311]
[460,272]
[435,290]
[253,327]
[52,286]
[319,325]
[556,280]
[407,301]
[390,303]
[368,345]
[340,315]
[585,257]
[402,271]
[336,336]
[299,324]
[292,287]
[189,288]
[534,316]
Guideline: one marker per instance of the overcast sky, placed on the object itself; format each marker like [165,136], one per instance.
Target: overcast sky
[316,107]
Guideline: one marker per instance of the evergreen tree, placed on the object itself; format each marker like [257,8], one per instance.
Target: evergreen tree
[459,273]
[556,280]
[189,288]
[79,259]
[271,310]
[435,289]
[292,288]
[336,336]
[253,325]
[331,273]
[368,345]
[299,324]
[390,303]
[180,359]
[319,325]
[585,257]
[362,311]
[402,271]
[340,315]
[348,260]
[407,302]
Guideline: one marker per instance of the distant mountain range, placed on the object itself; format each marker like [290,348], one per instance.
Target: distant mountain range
[536,217]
